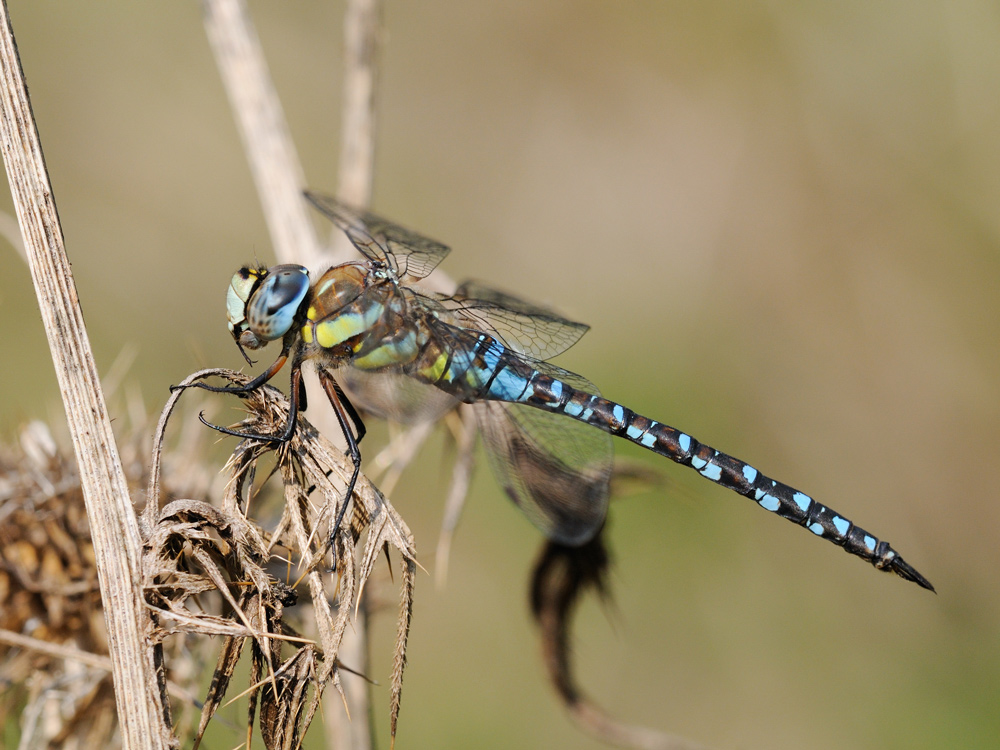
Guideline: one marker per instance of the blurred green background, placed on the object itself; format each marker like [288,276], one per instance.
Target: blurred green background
[781,220]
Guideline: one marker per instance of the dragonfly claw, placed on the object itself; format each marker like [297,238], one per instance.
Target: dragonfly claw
[279,439]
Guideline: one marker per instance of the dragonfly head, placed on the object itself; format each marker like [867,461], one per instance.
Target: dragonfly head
[262,303]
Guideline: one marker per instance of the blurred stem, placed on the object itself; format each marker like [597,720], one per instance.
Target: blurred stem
[142,714]
[274,163]
[362,19]
[279,178]
[362,32]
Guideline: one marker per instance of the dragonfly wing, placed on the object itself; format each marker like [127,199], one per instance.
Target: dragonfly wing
[396,397]
[525,328]
[554,468]
[378,239]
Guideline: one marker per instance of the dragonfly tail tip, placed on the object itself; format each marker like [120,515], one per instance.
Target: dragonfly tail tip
[907,571]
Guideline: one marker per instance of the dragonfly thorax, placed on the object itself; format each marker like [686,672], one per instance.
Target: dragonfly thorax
[358,314]
[262,304]
[341,285]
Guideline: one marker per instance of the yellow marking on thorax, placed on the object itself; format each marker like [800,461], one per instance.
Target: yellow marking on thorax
[383,356]
[341,327]
[435,370]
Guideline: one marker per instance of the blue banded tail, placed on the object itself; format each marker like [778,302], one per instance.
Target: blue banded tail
[501,375]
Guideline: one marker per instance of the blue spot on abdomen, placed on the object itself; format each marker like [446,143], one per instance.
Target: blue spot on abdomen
[768,502]
[508,386]
[492,356]
[713,472]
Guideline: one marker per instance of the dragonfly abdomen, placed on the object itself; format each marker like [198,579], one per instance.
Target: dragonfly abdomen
[721,468]
[473,366]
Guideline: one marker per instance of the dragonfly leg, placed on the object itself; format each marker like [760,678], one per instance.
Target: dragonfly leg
[344,410]
[293,408]
[253,385]
[359,425]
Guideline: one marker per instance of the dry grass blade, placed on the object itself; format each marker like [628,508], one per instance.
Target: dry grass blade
[465,432]
[281,707]
[229,657]
[402,632]
[194,549]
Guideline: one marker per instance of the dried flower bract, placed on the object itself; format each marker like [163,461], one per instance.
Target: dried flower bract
[195,549]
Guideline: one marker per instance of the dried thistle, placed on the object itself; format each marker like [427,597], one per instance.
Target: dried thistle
[210,569]
[54,667]
[194,549]
[49,596]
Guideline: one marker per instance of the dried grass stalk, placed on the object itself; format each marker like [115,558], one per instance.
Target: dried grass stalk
[144,717]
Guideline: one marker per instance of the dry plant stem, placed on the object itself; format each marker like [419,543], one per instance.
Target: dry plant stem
[356,174]
[561,577]
[117,546]
[461,479]
[86,658]
[362,31]
[57,650]
[261,121]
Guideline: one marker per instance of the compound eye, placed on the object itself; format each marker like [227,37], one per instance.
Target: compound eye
[240,288]
[272,308]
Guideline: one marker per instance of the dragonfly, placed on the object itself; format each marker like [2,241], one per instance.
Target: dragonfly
[547,431]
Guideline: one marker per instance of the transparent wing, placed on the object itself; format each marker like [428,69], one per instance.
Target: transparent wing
[394,396]
[523,327]
[554,468]
[380,240]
